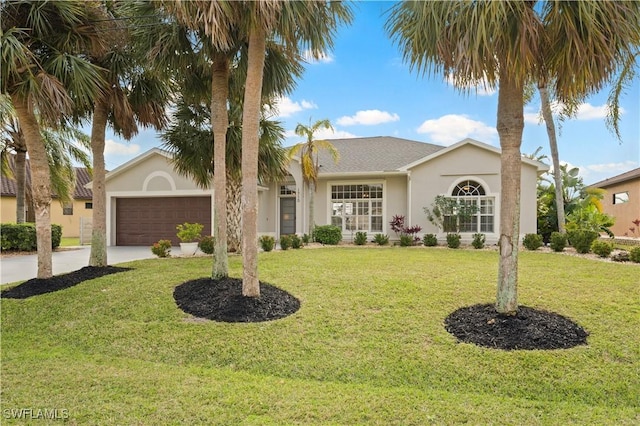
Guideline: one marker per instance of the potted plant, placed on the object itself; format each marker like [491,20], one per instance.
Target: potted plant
[189,235]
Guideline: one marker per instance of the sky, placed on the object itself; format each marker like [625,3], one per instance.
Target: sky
[364,88]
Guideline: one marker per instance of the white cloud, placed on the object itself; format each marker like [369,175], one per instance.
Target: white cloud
[584,112]
[368,118]
[293,139]
[317,58]
[480,87]
[452,128]
[116,148]
[592,173]
[285,107]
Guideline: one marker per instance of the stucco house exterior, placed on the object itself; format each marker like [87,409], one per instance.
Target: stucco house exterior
[375,179]
[622,201]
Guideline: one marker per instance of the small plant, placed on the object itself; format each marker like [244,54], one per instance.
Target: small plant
[634,254]
[207,244]
[601,248]
[189,232]
[532,241]
[360,238]
[581,240]
[478,241]
[453,240]
[162,248]
[397,225]
[558,241]
[285,242]
[430,240]
[406,240]
[267,242]
[305,239]
[381,239]
[327,234]
[296,241]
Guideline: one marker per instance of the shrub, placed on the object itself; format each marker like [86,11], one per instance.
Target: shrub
[285,242]
[327,234]
[532,241]
[162,248]
[406,240]
[478,241]
[430,240]
[306,238]
[558,241]
[267,242]
[22,236]
[453,240]
[207,244]
[621,256]
[189,232]
[601,248]
[381,239]
[296,242]
[581,240]
[634,254]
[360,239]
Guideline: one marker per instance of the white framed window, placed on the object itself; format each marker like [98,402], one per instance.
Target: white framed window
[357,207]
[472,193]
[621,198]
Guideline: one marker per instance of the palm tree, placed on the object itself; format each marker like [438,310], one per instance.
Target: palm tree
[42,70]
[578,44]
[308,153]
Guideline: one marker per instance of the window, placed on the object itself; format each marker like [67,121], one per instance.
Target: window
[67,209]
[471,194]
[357,207]
[621,198]
[289,189]
[88,206]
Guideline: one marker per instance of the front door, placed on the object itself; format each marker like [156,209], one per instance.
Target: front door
[287,216]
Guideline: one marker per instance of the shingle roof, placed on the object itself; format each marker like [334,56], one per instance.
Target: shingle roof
[630,175]
[374,154]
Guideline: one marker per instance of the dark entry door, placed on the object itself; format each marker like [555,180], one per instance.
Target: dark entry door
[287,216]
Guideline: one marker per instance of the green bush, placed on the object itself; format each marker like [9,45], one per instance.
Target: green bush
[581,240]
[327,234]
[189,232]
[162,248]
[381,239]
[360,238]
[430,240]
[22,236]
[601,248]
[532,241]
[453,240]
[634,254]
[206,244]
[558,241]
[406,240]
[267,242]
[285,242]
[306,238]
[478,241]
[296,242]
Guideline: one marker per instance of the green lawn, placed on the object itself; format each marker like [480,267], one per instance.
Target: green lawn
[367,346]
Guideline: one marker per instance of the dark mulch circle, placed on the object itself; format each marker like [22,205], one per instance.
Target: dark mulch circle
[529,329]
[38,286]
[222,300]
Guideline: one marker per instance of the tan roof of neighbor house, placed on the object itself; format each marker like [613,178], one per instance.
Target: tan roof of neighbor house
[624,177]
[374,154]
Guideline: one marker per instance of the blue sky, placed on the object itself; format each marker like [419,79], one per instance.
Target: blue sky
[365,89]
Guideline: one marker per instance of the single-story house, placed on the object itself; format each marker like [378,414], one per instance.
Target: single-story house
[622,201]
[375,179]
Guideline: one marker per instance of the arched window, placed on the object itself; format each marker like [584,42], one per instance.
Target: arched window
[476,211]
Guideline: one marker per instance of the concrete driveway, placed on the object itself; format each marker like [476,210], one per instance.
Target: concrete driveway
[25,267]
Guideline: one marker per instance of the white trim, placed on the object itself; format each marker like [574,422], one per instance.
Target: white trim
[162,174]
[485,185]
[383,182]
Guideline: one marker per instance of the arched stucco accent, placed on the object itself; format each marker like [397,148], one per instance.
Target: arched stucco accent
[160,174]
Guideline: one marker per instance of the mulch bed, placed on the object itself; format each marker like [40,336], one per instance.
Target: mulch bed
[222,300]
[529,329]
[38,286]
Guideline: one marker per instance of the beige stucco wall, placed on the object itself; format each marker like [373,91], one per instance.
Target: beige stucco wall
[8,209]
[624,213]
[70,223]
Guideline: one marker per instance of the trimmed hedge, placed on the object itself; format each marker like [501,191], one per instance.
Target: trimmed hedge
[22,236]
[582,239]
[327,234]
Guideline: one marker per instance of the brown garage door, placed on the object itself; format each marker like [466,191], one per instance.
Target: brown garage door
[143,221]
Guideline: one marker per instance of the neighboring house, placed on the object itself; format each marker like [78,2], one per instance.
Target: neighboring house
[375,179]
[68,215]
[622,201]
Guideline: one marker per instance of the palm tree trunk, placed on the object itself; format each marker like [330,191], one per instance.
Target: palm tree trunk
[312,193]
[555,156]
[234,214]
[250,141]
[220,124]
[510,124]
[98,256]
[21,183]
[40,183]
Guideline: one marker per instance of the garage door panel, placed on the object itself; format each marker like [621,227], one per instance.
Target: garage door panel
[143,221]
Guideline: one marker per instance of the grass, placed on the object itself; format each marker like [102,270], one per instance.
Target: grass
[69,241]
[367,346]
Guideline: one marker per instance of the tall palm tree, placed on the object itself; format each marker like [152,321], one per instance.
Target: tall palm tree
[307,151]
[42,70]
[578,44]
